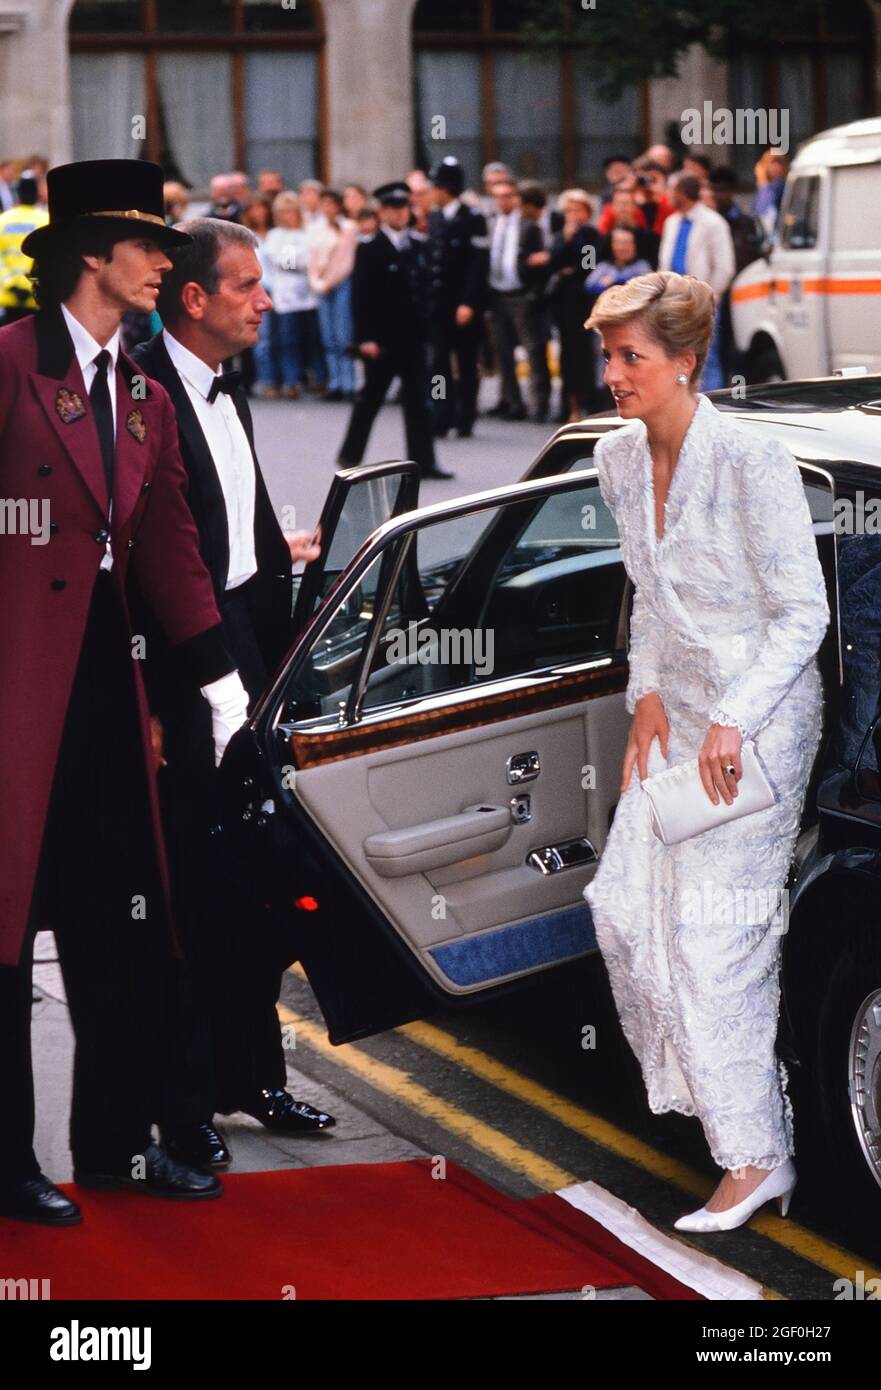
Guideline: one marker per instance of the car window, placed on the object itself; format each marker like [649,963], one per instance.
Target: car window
[544,589]
[799,218]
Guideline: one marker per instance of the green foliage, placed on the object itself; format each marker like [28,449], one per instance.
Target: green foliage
[632,40]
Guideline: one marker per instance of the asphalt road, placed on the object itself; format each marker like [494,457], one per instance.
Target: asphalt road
[298,443]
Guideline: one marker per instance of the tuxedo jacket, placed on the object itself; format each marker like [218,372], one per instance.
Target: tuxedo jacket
[270,592]
[50,458]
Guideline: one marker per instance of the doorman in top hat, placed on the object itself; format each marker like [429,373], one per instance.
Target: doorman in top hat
[91,448]
[390,308]
[459,254]
[232,1057]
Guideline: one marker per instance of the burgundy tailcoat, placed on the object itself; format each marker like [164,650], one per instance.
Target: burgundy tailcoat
[49,451]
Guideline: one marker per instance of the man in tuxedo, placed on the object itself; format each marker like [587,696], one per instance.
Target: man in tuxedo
[93,448]
[230,1057]
[390,318]
[459,252]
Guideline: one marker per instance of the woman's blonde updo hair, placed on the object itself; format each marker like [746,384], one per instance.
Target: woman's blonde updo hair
[676,311]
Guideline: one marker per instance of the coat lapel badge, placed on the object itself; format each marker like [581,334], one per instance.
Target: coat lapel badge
[134,423]
[69,405]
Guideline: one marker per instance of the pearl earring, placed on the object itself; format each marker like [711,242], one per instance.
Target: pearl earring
[682,379]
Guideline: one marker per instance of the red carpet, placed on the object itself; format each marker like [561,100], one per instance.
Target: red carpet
[365,1231]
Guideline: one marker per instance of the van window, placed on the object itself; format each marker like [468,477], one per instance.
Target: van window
[800,214]
[854,200]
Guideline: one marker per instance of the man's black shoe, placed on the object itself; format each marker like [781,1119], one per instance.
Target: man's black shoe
[199,1146]
[517,412]
[540,416]
[278,1110]
[163,1177]
[436,473]
[502,410]
[39,1200]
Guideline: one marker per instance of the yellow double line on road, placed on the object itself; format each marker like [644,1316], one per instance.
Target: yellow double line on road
[400,1086]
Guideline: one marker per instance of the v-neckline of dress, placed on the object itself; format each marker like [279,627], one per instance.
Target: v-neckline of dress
[657,540]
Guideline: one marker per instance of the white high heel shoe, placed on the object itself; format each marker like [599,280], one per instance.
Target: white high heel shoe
[779,1183]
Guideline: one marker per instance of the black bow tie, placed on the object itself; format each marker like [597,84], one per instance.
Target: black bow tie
[228,382]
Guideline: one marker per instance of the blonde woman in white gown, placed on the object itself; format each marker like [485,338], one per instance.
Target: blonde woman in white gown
[729,611]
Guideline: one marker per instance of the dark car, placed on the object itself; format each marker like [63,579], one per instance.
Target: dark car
[425,789]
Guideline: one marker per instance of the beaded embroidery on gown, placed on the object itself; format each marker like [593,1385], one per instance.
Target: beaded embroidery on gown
[729,611]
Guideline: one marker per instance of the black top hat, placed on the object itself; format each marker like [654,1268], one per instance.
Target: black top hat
[392,195]
[124,195]
[448,173]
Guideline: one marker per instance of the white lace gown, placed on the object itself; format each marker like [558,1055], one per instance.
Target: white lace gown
[729,611]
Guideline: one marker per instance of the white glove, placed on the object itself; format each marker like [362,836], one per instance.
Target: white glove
[228,699]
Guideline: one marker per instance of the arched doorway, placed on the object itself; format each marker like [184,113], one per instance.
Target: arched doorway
[201,86]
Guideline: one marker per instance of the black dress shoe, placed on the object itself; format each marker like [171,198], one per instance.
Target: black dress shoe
[163,1177]
[199,1146]
[436,473]
[501,410]
[37,1199]
[278,1110]
[517,412]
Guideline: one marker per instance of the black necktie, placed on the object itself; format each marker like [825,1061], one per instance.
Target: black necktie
[228,382]
[103,412]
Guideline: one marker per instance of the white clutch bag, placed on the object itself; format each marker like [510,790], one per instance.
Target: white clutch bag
[681,808]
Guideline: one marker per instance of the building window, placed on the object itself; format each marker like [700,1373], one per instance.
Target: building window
[821,80]
[218,84]
[503,98]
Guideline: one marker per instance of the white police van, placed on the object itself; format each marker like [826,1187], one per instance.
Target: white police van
[810,306]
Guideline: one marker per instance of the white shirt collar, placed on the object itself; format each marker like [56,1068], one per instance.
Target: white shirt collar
[192,368]
[396,237]
[449,210]
[85,346]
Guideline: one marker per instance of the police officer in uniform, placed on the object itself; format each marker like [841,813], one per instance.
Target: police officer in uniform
[459,251]
[390,298]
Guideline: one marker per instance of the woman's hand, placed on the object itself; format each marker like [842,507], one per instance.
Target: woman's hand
[721,749]
[649,719]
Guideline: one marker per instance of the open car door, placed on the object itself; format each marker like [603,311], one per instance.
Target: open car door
[428,784]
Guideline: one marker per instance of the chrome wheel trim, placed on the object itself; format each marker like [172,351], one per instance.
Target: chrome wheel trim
[864,1080]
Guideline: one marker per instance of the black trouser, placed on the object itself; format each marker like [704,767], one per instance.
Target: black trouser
[379,373]
[98,886]
[229,1037]
[516,319]
[459,348]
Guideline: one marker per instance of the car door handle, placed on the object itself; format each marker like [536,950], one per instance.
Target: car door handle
[522,767]
[436,843]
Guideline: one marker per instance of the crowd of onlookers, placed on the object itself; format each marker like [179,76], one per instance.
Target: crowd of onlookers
[548,261]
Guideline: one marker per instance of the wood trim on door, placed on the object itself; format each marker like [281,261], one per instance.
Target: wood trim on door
[330,745]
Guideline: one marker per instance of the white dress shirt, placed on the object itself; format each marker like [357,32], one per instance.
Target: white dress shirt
[504,250]
[230,452]
[86,349]
[400,240]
